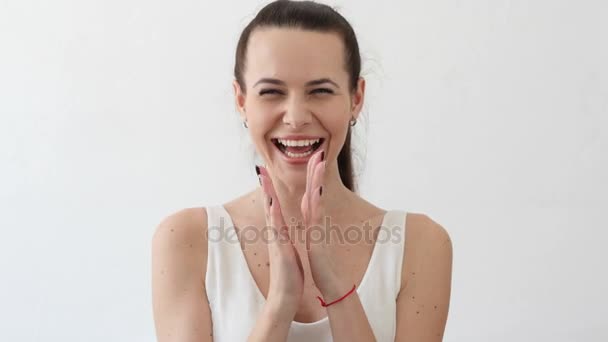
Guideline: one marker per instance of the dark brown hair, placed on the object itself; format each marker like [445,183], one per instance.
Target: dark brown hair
[309,15]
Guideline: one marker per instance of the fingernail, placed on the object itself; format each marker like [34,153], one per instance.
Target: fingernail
[321,191]
[322,155]
[257,171]
[271,201]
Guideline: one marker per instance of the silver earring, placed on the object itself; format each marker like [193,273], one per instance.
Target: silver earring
[245,124]
[353,121]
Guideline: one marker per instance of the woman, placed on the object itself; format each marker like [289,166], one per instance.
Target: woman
[299,93]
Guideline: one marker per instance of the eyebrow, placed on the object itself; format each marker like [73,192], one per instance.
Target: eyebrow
[309,83]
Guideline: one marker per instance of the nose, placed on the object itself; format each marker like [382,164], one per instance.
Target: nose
[296,114]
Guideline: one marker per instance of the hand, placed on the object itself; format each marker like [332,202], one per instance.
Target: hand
[286,270]
[313,211]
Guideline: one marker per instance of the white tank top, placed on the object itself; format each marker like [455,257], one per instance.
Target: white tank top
[236,301]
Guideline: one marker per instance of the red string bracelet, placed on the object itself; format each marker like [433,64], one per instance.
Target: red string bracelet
[337,300]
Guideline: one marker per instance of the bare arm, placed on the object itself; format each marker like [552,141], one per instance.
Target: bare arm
[423,303]
[179,255]
[272,325]
[347,318]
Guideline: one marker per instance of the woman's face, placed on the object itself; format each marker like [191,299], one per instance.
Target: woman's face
[297,94]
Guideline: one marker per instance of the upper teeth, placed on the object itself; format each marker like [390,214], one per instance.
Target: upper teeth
[298,142]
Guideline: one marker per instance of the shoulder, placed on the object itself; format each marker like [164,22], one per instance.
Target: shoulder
[424,298]
[182,235]
[185,225]
[179,301]
[427,244]
[426,230]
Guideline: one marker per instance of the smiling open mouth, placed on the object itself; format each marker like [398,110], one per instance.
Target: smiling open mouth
[297,148]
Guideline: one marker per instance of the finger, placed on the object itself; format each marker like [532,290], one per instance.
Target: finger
[312,163]
[298,260]
[304,207]
[276,216]
[315,202]
[318,174]
[270,226]
[265,199]
[309,167]
[305,198]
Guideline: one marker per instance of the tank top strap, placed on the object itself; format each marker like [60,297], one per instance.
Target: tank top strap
[228,281]
[382,281]
[387,258]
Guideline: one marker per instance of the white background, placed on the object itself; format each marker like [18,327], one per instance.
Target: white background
[488,116]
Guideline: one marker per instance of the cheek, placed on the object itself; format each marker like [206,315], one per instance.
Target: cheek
[262,121]
[334,118]
[259,128]
[260,116]
[335,123]
[262,112]
[257,133]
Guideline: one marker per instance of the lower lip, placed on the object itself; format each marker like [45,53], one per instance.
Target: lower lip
[300,160]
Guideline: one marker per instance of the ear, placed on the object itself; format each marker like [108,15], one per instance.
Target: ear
[239,99]
[357,99]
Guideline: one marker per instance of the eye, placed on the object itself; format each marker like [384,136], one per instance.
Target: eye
[323,90]
[269,91]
